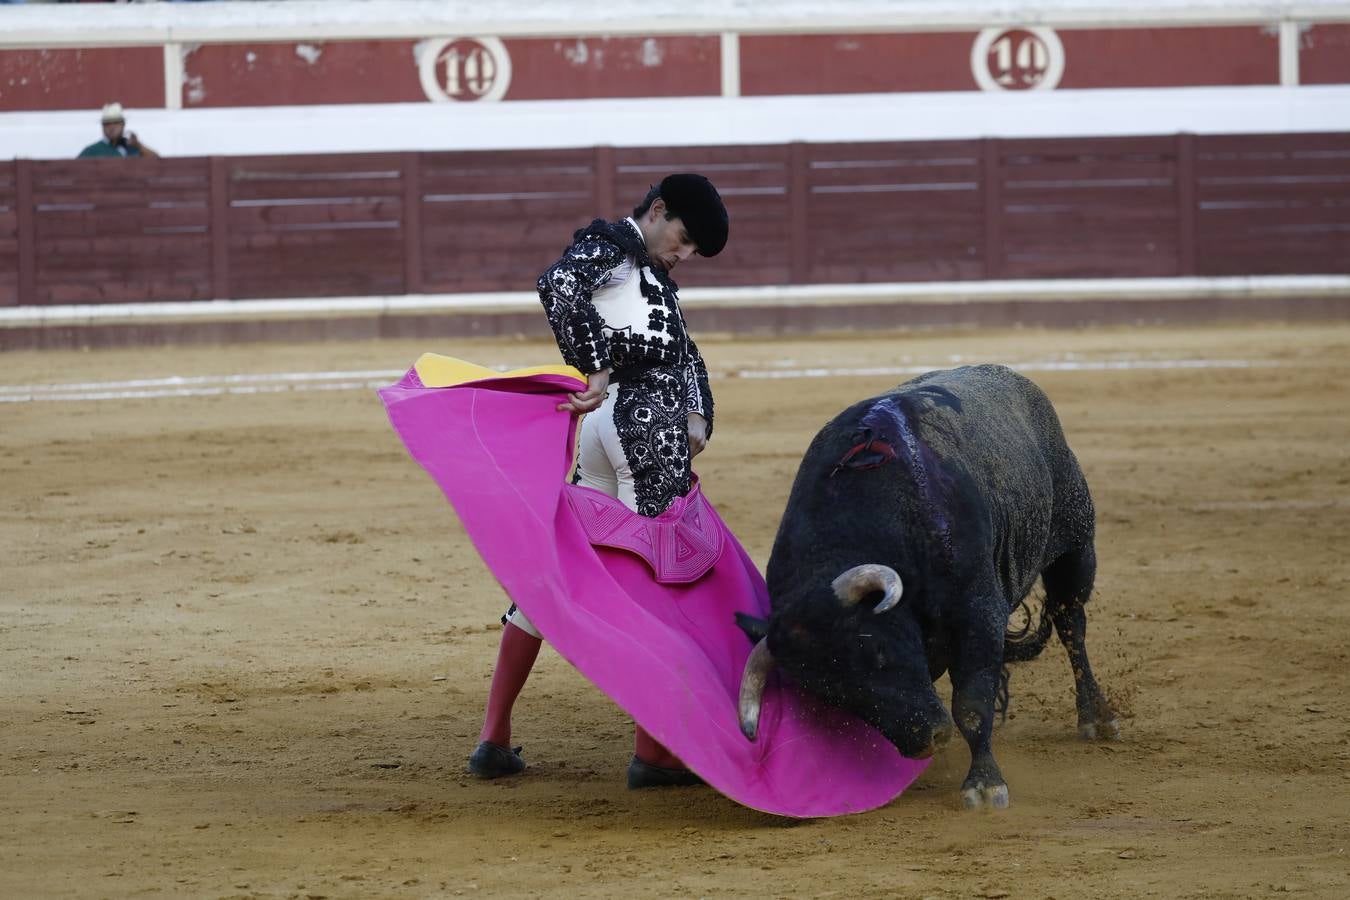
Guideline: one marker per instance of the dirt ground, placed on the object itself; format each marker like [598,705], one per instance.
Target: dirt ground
[245,645]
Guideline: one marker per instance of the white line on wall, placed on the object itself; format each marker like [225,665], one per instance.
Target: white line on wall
[278,382]
[1027,290]
[189,381]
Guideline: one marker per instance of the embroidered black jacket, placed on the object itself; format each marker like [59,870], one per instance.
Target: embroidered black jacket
[609,307]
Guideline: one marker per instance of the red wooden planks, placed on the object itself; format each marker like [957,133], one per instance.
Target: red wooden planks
[1273,204]
[1089,208]
[894,211]
[315,226]
[120,231]
[495,221]
[127,230]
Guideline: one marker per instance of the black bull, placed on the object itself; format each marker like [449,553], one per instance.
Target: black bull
[918,521]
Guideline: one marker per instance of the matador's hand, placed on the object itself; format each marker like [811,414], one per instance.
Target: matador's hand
[597,383]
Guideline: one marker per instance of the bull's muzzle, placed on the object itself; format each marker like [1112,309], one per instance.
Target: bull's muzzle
[936,738]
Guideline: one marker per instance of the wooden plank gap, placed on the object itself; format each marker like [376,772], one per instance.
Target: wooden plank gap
[220,227]
[991,177]
[1187,220]
[799,227]
[413,282]
[23,203]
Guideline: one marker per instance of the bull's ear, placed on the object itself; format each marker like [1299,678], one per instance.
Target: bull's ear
[755,629]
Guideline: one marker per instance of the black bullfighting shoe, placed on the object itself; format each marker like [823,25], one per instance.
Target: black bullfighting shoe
[645,775]
[492,761]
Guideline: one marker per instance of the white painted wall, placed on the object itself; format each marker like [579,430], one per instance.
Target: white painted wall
[690,121]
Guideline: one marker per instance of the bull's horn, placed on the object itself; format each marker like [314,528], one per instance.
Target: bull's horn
[757,669]
[860,581]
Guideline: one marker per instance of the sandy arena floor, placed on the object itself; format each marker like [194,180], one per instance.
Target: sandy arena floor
[245,645]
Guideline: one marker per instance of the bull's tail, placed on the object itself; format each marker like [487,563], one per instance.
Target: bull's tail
[1026,640]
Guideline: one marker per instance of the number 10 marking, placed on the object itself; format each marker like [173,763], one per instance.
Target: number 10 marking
[1017,59]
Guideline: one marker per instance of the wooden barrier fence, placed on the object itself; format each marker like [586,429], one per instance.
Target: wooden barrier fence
[104,231]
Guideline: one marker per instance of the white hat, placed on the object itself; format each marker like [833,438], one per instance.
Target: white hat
[112,112]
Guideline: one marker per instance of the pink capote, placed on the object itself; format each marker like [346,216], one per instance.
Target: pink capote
[669,654]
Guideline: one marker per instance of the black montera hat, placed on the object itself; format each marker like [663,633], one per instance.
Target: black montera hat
[696,202]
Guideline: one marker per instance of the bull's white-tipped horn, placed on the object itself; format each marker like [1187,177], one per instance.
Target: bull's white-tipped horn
[753,679]
[860,581]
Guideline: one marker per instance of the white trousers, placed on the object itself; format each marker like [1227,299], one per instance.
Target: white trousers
[601,462]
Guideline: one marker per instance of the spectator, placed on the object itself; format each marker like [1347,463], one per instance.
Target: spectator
[116,140]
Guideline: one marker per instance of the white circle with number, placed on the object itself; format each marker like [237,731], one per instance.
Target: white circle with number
[1017,59]
[465,69]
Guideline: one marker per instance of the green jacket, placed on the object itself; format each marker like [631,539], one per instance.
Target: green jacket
[103,148]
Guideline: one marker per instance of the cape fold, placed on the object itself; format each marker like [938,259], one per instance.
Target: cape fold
[646,610]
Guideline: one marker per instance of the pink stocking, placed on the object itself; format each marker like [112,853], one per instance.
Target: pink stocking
[515,658]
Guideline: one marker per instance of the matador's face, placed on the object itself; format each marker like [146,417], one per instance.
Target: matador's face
[668,241]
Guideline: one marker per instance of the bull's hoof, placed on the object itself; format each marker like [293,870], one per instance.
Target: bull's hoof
[1100,731]
[981,796]
[492,761]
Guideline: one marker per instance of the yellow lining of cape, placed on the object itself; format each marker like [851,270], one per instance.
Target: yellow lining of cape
[435,370]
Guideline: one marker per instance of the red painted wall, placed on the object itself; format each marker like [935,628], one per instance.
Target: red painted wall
[81,79]
[1094,58]
[387,71]
[857,63]
[1324,55]
[1170,57]
[322,72]
[568,68]
[300,74]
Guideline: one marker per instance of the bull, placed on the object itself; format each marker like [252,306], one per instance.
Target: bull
[918,522]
